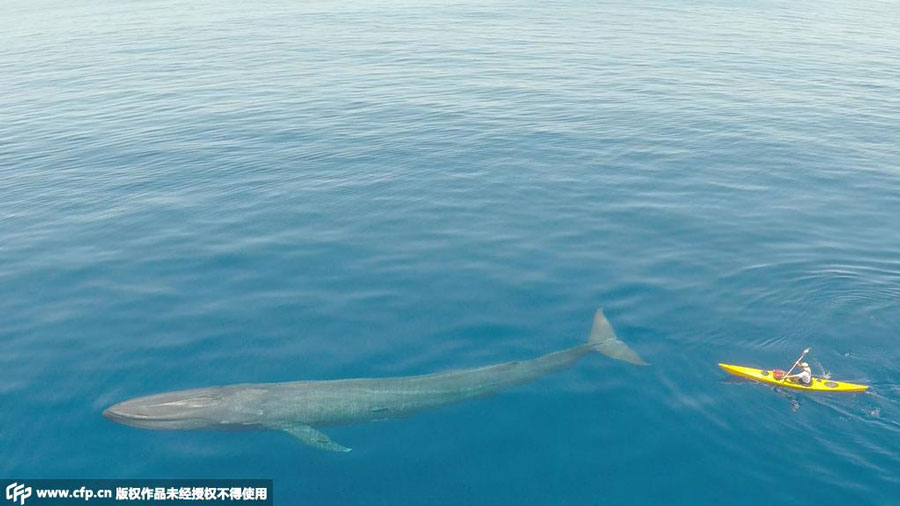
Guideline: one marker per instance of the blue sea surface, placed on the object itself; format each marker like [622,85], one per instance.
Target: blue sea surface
[213,192]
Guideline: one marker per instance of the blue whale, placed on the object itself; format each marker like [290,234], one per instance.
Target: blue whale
[299,407]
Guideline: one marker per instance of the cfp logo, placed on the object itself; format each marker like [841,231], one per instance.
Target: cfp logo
[18,492]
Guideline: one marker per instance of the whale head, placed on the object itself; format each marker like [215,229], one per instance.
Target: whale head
[203,408]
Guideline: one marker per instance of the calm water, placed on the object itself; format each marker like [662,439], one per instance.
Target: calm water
[201,193]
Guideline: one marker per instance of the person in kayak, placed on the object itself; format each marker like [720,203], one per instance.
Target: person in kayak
[804,377]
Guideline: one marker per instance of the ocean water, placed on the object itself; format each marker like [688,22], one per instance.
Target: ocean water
[203,193]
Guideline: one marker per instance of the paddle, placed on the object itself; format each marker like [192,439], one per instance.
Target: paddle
[784,378]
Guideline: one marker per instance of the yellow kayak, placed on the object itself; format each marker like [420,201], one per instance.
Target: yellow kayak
[767,376]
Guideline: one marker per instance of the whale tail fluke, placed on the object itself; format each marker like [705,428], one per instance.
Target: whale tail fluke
[603,339]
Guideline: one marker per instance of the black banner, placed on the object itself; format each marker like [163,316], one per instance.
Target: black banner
[27,492]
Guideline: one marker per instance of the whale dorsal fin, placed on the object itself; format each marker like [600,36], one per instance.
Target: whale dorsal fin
[313,438]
